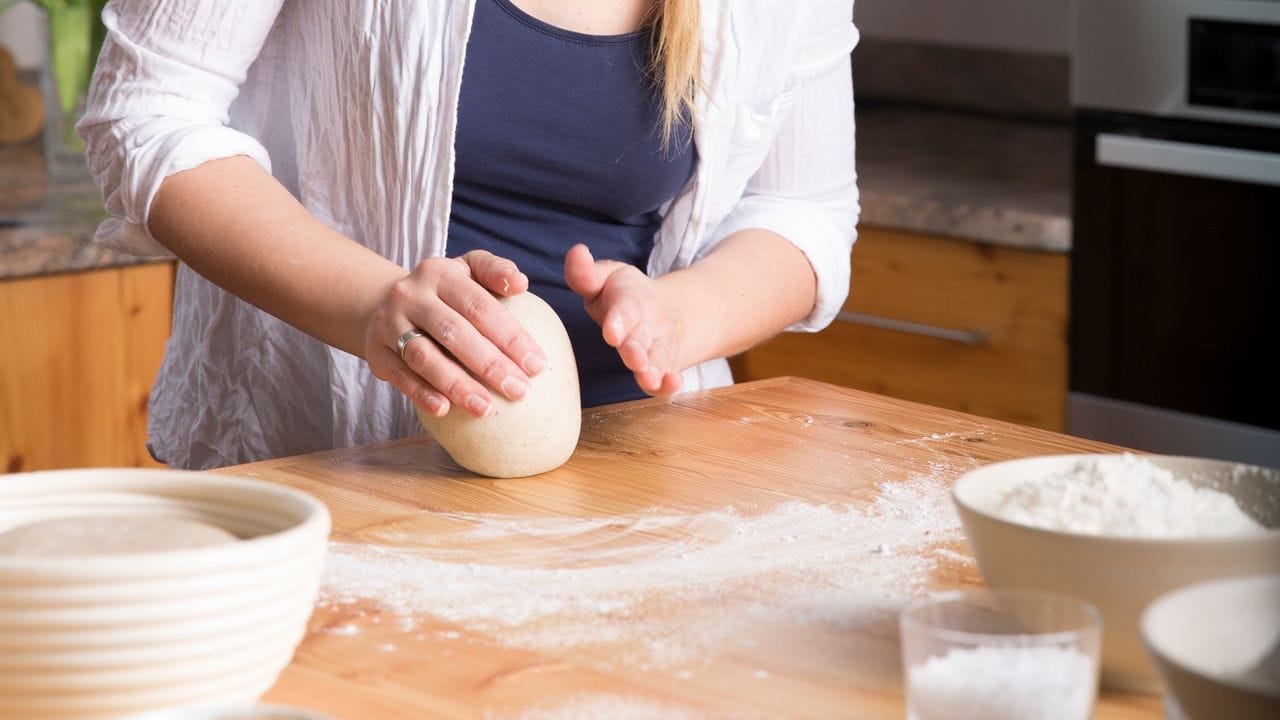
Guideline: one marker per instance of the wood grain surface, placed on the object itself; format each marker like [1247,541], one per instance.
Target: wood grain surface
[78,354]
[746,450]
[1016,298]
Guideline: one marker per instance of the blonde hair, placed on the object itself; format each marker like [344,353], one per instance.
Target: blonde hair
[675,68]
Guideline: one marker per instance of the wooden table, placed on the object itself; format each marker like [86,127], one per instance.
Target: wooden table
[656,489]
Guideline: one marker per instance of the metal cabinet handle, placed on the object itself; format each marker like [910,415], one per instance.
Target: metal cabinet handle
[965,337]
[1180,158]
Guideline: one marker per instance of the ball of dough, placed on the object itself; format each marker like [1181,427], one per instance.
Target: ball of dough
[110,535]
[534,434]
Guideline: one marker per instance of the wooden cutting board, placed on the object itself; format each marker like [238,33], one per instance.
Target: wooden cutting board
[736,553]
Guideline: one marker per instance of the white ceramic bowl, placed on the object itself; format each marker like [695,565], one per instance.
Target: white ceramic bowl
[109,636]
[1119,575]
[1217,646]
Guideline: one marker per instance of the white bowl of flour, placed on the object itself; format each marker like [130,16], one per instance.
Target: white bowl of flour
[1119,531]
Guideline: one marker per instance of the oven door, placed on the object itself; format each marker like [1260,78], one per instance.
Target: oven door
[1174,285]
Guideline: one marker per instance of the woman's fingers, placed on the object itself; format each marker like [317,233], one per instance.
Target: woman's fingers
[633,317]
[470,342]
[654,365]
[501,276]
[634,355]
[446,373]
[461,336]
[388,366]
[479,331]
[667,370]
[582,274]
[607,292]
[497,274]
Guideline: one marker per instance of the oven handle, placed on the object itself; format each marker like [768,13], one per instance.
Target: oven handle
[972,338]
[1179,158]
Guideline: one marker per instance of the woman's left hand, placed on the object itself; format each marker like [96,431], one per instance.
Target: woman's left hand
[636,316]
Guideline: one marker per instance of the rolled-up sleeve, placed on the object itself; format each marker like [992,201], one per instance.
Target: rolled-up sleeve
[163,86]
[806,189]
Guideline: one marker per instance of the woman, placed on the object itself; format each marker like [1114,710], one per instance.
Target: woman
[344,197]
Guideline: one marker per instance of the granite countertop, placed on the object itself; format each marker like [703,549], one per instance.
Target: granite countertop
[47,220]
[970,176]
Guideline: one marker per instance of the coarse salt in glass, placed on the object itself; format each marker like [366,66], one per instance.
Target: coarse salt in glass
[974,654]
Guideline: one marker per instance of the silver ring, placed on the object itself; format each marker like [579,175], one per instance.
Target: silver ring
[405,339]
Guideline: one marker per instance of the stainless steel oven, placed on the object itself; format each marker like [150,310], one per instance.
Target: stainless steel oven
[1175,279]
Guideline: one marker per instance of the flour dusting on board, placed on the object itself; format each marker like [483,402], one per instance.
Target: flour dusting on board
[649,591]
[595,706]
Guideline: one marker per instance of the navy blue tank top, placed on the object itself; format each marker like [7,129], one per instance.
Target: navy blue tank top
[559,142]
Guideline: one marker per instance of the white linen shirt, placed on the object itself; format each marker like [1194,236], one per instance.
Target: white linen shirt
[352,104]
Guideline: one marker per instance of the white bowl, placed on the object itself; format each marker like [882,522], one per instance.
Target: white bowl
[1120,575]
[1217,646]
[108,636]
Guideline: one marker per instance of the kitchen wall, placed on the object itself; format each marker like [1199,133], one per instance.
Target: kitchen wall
[1004,57]
[20,35]
[1023,25]
[1029,25]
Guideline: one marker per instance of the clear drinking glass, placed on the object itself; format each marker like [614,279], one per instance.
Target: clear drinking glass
[979,654]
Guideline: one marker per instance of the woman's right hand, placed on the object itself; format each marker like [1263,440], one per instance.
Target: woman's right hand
[470,341]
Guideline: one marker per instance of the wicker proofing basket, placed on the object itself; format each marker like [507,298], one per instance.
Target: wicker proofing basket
[109,636]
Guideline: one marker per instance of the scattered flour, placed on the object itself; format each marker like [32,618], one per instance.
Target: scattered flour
[597,706]
[1123,496]
[660,590]
[594,706]
[1003,683]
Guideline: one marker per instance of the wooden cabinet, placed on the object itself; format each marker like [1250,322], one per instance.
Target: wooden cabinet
[78,353]
[951,323]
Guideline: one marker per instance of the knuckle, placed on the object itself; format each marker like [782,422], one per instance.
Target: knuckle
[459,388]
[447,331]
[434,268]
[498,265]
[479,307]
[422,394]
[460,266]
[495,370]
[417,354]
[405,378]
[515,346]
[430,265]
[382,371]
[400,292]
[404,381]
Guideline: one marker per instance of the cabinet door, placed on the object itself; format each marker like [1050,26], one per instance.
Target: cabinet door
[80,351]
[950,323]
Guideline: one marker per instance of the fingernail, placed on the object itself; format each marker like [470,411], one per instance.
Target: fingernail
[514,388]
[534,363]
[478,405]
[436,406]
